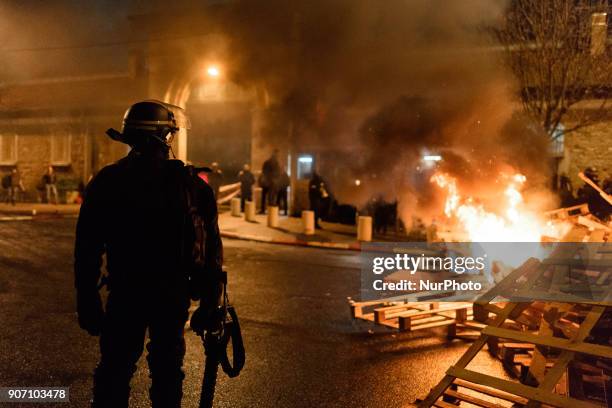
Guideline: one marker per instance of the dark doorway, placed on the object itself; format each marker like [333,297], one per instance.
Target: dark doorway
[220,132]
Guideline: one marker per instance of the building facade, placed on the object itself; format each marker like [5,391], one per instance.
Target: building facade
[61,122]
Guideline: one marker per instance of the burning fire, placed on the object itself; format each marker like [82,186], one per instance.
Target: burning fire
[511,223]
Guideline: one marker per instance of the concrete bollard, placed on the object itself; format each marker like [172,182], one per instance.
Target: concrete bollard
[249,211]
[308,222]
[364,229]
[257,192]
[273,217]
[235,206]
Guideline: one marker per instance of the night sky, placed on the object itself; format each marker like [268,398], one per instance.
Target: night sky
[54,38]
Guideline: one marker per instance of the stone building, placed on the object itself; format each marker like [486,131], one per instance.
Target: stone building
[590,146]
[60,122]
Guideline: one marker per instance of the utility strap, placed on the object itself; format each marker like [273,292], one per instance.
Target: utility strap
[232,331]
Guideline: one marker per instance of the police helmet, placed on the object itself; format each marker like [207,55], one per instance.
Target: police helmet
[150,120]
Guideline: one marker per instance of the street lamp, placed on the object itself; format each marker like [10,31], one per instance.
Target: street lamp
[213,71]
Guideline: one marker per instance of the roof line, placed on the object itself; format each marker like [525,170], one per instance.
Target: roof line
[58,80]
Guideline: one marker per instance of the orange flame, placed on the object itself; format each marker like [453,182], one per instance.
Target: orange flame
[512,223]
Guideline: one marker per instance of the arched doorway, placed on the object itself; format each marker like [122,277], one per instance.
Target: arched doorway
[221,115]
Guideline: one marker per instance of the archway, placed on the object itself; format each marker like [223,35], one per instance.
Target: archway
[222,117]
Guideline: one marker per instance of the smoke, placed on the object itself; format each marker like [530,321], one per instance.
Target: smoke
[383,82]
[397,79]
[50,38]
[322,61]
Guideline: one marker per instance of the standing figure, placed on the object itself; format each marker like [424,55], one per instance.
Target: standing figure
[607,186]
[50,183]
[587,194]
[268,181]
[247,180]
[215,178]
[318,196]
[566,192]
[137,212]
[12,183]
[6,184]
[283,185]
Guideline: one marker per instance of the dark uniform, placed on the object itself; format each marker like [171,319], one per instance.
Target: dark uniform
[598,206]
[247,180]
[270,172]
[317,195]
[135,211]
[215,179]
[12,183]
[281,198]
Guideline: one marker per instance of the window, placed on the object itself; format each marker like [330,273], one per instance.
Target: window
[60,148]
[304,166]
[557,147]
[8,149]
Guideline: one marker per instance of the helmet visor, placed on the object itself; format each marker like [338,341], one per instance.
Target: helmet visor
[180,117]
[181,121]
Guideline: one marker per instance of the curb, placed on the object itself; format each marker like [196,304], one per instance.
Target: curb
[28,216]
[16,218]
[355,246]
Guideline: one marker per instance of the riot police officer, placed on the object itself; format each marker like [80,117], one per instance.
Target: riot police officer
[598,206]
[137,212]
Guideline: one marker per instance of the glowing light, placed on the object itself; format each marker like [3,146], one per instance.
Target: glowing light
[305,159]
[432,158]
[357,182]
[213,71]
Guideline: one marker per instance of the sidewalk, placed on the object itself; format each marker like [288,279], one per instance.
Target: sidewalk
[289,232]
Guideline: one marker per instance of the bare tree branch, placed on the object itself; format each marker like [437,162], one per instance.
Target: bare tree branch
[549,48]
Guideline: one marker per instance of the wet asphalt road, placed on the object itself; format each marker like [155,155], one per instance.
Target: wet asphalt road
[303,349]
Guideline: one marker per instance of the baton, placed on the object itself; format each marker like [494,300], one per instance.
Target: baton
[211,367]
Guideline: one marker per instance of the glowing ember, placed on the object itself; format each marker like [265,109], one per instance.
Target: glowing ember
[511,223]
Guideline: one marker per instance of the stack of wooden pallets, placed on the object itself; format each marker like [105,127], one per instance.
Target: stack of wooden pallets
[557,349]
[559,352]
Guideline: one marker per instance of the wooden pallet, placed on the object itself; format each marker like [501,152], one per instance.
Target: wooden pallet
[556,342]
[409,316]
[568,212]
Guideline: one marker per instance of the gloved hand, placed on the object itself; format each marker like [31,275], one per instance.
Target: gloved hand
[206,319]
[90,312]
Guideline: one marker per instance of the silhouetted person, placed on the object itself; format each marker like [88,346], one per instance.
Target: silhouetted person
[281,194]
[317,195]
[566,191]
[247,180]
[50,183]
[268,181]
[598,206]
[136,211]
[607,186]
[215,178]
[7,181]
[384,214]
[12,183]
